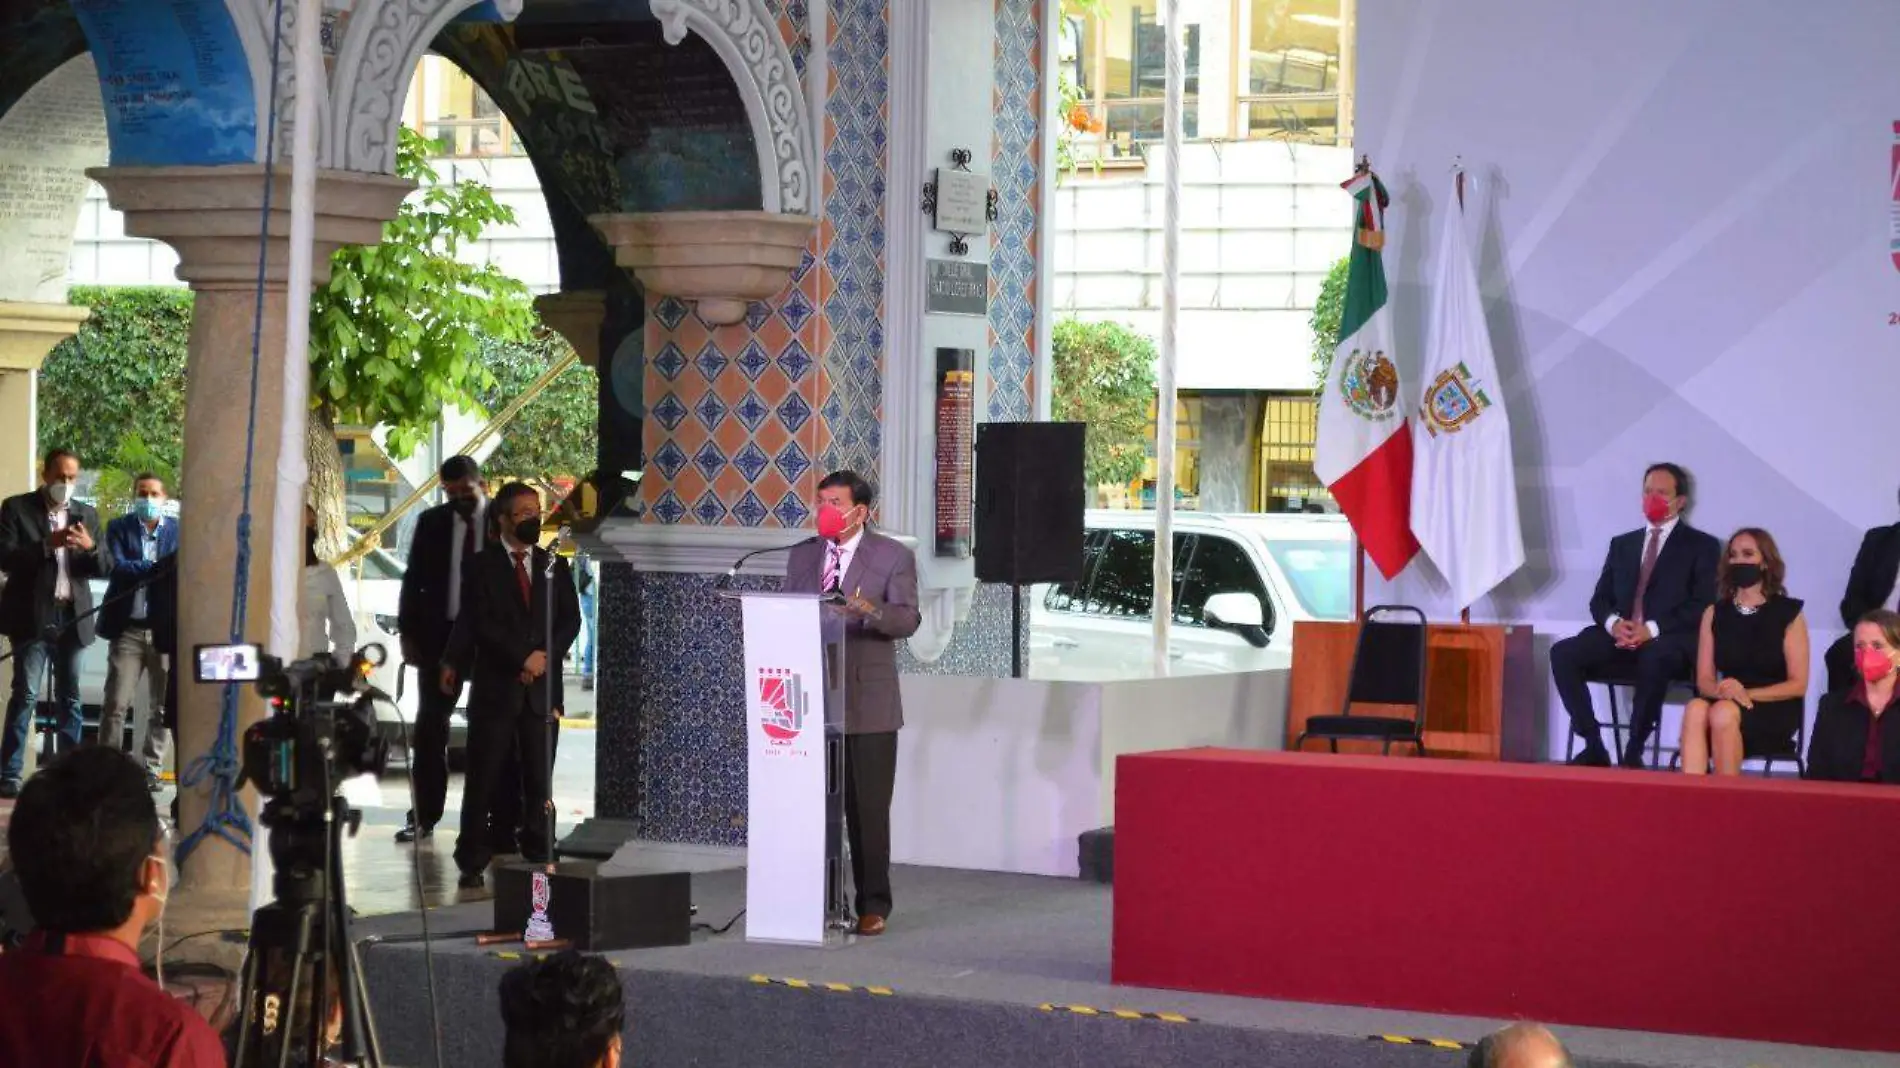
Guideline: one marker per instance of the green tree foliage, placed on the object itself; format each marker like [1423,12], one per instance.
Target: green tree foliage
[115,392]
[396,336]
[1325,321]
[1104,375]
[557,434]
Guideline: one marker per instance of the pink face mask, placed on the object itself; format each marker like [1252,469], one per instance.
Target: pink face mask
[1655,507]
[831,522]
[1874,665]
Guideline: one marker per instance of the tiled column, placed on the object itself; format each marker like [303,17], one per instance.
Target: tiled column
[211,216]
[27,333]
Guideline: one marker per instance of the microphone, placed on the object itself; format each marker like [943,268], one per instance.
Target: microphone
[554,551]
[733,571]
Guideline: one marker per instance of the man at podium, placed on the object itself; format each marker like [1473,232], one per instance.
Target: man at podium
[874,579]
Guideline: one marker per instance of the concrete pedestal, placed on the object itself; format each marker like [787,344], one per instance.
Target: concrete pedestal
[27,333]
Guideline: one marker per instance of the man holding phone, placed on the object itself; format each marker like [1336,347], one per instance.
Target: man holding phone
[48,553]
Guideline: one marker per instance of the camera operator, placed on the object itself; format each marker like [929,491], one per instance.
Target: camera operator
[89,850]
[501,642]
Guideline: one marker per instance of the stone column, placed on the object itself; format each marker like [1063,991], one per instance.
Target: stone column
[211,216]
[576,316]
[27,333]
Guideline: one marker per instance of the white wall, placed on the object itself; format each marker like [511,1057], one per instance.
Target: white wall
[1683,214]
[1262,222]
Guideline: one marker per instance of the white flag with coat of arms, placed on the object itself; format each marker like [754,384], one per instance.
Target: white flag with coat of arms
[1464,488]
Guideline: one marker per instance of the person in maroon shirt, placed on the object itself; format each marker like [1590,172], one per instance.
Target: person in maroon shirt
[1855,736]
[89,852]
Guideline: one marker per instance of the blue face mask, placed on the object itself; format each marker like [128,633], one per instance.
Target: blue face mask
[148,508]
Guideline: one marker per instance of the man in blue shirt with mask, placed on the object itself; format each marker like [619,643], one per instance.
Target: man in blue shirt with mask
[141,600]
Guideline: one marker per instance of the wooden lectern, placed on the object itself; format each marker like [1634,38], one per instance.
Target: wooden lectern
[1480,690]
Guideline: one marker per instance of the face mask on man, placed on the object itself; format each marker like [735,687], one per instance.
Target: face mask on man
[59,492]
[528,531]
[1655,507]
[465,506]
[148,509]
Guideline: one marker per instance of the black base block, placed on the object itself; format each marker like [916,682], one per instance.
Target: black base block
[596,838]
[601,912]
[1097,849]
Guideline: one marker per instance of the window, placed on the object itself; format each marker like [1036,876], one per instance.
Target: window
[1289,426]
[1187,456]
[1217,565]
[1291,62]
[1062,596]
[1124,580]
[1320,573]
[456,114]
[1122,74]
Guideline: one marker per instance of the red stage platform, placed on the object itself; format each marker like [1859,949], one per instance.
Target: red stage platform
[1740,908]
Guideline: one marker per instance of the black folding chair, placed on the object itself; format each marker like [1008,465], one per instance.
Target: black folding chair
[1388,668]
[1614,682]
[1768,757]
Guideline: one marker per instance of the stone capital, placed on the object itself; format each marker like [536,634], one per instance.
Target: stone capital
[29,331]
[718,259]
[577,317]
[212,216]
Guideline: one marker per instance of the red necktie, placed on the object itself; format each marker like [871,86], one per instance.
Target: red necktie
[468,539]
[1649,567]
[521,577]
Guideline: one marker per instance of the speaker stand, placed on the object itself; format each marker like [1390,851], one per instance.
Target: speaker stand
[1015,630]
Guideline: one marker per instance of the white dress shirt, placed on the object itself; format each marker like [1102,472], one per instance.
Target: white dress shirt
[461,527]
[1668,528]
[148,552]
[847,550]
[328,628]
[56,519]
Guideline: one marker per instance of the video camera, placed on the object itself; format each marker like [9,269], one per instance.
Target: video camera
[322,726]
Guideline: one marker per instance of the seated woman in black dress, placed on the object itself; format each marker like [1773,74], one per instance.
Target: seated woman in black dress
[1751,664]
[1854,738]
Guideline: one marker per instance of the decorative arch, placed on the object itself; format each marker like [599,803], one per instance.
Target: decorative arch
[384,42]
[747,38]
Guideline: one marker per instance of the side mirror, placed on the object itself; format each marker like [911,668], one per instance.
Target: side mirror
[1234,610]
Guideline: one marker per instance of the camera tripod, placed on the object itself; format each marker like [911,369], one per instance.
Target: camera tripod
[301,955]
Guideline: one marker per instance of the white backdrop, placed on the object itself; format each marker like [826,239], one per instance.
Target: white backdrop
[1682,212]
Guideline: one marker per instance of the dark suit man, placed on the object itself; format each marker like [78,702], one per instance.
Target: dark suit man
[876,578]
[447,537]
[141,598]
[1648,605]
[48,552]
[1870,585]
[501,642]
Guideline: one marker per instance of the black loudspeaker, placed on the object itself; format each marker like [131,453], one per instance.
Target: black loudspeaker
[1029,502]
[595,912]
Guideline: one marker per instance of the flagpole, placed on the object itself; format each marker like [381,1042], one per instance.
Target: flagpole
[1170,315]
[1458,169]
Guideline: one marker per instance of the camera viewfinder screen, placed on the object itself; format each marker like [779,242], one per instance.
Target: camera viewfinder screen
[228,663]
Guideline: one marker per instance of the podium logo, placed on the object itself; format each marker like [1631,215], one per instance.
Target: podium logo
[782,705]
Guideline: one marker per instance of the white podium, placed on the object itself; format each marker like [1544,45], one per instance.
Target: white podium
[795,677]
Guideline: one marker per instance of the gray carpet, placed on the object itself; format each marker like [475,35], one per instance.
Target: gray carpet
[970,958]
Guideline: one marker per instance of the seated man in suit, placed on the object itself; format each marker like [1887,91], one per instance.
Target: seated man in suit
[875,580]
[1648,605]
[1870,585]
[501,643]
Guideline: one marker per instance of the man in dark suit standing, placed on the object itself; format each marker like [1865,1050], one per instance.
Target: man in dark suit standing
[1870,585]
[446,538]
[1648,605]
[140,598]
[48,552]
[502,643]
[875,578]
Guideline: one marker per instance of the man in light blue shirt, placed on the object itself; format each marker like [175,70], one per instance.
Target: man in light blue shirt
[140,602]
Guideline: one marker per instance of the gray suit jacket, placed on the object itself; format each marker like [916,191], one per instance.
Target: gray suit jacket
[883,572]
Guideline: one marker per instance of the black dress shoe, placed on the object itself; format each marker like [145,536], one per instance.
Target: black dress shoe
[1634,761]
[470,880]
[1591,758]
[9,788]
[410,833]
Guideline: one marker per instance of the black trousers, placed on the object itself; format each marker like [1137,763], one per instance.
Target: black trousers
[1842,675]
[1655,665]
[429,744]
[492,734]
[870,774]
[508,812]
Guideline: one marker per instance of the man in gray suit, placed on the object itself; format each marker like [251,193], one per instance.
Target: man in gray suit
[875,578]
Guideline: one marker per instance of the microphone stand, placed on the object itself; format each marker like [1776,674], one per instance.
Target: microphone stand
[552,677]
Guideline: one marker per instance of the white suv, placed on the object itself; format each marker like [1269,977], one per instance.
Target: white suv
[1240,583]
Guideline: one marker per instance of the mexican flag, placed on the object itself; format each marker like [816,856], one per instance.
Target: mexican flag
[1466,519]
[1364,450]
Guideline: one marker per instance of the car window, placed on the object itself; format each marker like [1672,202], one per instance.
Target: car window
[1123,583]
[1320,573]
[1062,595]
[1218,565]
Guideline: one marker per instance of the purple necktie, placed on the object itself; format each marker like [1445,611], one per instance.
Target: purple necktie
[833,557]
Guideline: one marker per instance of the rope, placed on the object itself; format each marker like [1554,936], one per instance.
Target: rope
[226,817]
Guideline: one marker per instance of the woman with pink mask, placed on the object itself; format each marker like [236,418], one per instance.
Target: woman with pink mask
[1854,737]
